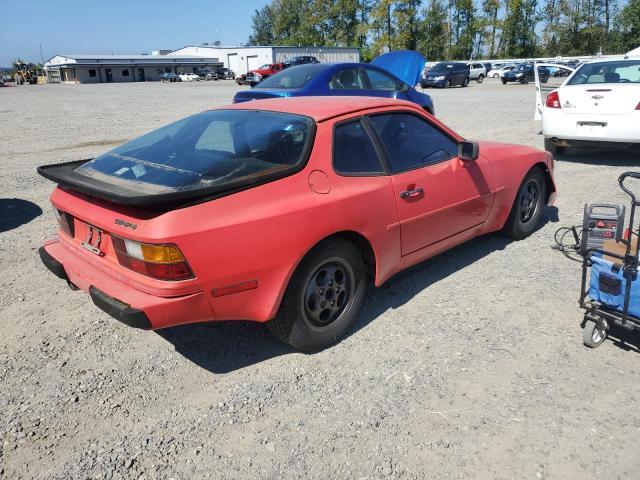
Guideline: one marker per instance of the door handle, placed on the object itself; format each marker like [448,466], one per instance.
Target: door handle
[412,193]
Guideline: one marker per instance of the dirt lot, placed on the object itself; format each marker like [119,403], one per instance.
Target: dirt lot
[468,366]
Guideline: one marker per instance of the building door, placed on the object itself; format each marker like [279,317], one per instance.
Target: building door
[232,62]
[108,74]
[141,77]
[252,62]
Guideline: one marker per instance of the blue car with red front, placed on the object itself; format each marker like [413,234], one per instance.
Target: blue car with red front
[392,75]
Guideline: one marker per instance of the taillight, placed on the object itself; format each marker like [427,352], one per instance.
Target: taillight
[163,262]
[553,100]
[65,221]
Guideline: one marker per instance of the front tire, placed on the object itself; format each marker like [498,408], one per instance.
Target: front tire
[465,82]
[504,82]
[447,84]
[526,211]
[480,78]
[323,298]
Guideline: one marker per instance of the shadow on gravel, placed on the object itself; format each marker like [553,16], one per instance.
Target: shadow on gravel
[15,212]
[594,156]
[405,285]
[625,339]
[222,347]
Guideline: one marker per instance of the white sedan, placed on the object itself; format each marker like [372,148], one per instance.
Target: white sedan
[498,72]
[598,103]
[189,77]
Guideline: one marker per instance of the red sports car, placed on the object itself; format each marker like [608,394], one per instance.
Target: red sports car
[279,210]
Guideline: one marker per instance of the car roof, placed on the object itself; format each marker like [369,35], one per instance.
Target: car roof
[321,108]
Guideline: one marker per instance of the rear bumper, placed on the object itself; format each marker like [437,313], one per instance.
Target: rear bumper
[121,301]
[617,128]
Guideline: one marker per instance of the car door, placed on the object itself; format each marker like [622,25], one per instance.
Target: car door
[458,75]
[437,194]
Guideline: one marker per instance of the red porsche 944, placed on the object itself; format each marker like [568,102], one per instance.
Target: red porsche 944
[280,210]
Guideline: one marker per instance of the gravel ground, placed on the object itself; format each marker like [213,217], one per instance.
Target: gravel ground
[467,366]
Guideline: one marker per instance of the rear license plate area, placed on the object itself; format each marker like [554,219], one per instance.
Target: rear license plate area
[94,239]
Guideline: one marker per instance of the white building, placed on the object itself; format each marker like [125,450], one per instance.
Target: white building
[243,59]
[122,68]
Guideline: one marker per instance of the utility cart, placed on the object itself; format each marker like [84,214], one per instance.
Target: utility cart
[613,293]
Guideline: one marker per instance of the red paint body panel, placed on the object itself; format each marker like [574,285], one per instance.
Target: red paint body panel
[261,234]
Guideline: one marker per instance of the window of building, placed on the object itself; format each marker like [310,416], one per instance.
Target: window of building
[412,142]
[125,72]
[353,152]
[160,71]
[92,73]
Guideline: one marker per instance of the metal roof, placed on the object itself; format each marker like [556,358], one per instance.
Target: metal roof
[72,59]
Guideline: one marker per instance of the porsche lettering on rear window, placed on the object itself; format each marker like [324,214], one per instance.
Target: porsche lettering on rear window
[209,149]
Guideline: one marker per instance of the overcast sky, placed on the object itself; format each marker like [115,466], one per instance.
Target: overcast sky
[118,26]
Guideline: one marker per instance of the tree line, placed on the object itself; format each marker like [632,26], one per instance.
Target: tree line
[453,29]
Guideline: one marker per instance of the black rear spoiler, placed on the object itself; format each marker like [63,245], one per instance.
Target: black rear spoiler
[65,175]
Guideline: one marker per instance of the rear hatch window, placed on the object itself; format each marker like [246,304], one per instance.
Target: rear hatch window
[207,153]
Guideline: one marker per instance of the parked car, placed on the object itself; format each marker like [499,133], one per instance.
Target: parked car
[477,72]
[301,60]
[189,77]
[225,74]
[447,74]
[170,77]
[391,75]
[599,104]
[207,74]
[523,73]
[242,79]
[498,72]
[254,77]
[186,224]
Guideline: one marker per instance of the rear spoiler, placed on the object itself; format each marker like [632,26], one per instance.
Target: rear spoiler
[66,176]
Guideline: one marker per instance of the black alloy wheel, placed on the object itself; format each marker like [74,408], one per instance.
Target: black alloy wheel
[323,297]
[527,209]
[328,291]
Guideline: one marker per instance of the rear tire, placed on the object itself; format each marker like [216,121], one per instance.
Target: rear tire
[323,298]
[592,336]
[526,211]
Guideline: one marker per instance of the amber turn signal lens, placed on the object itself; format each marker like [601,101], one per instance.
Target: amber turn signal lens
[161,253]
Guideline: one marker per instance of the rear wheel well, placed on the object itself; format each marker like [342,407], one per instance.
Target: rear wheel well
[362,244]
[429,111]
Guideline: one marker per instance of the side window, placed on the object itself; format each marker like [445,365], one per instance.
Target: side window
[347,79]
[412,142]
[353,152]
[381,81]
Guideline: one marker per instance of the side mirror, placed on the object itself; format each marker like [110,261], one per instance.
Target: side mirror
[468,150]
